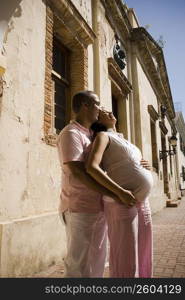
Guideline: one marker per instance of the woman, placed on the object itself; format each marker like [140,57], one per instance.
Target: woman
[115,163]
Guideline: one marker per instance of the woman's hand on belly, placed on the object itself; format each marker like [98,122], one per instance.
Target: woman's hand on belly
[126,197]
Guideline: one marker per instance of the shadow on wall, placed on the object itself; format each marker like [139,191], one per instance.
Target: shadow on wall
[10,8]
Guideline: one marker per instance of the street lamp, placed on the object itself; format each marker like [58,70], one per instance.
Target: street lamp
[164,153]
[163,111]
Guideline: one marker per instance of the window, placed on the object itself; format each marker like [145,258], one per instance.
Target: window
[120,87]
[154,145]
[171,170]
[181,144]
[60,77]
[63,49]
[115,110]
[183,173]
[154,116]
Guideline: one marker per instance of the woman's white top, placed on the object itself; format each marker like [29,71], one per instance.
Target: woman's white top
[122,162]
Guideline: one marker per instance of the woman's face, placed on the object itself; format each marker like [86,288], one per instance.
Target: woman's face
[106,118]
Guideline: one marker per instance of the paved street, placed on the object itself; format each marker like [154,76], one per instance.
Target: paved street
[169,245]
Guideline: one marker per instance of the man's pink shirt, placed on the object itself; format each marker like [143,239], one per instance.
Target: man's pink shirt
[73,144]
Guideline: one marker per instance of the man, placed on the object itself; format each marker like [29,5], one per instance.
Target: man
[81,205]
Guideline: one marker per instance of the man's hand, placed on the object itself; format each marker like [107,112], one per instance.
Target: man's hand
[145,164]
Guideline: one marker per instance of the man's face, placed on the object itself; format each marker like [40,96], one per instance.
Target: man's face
[93,109]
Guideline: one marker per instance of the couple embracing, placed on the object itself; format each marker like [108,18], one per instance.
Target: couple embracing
[105,189]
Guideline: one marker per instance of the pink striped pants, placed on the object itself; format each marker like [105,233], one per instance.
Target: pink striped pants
[130,236]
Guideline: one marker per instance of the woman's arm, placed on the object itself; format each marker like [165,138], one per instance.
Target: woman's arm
[93,168]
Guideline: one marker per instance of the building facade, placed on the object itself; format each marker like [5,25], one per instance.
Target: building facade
[52,49]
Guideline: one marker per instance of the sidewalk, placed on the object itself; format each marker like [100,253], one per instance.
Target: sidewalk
[169,241]
[169,245]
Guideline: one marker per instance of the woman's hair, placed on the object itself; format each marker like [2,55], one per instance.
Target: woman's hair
[97,127]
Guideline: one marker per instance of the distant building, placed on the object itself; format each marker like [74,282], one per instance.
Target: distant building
[178,106]
[180,125]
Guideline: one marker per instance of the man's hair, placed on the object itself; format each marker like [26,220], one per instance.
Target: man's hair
[80,98]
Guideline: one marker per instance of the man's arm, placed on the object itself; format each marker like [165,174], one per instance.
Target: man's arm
[77,168]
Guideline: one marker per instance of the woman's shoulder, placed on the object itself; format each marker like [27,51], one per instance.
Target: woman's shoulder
[102,135]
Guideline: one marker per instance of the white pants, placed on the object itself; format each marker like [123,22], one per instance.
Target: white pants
[86,244]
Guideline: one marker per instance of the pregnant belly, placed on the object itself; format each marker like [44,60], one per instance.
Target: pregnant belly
[136,179]
[143,182]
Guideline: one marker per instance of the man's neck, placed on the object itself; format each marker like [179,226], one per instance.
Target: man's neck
[83,122]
